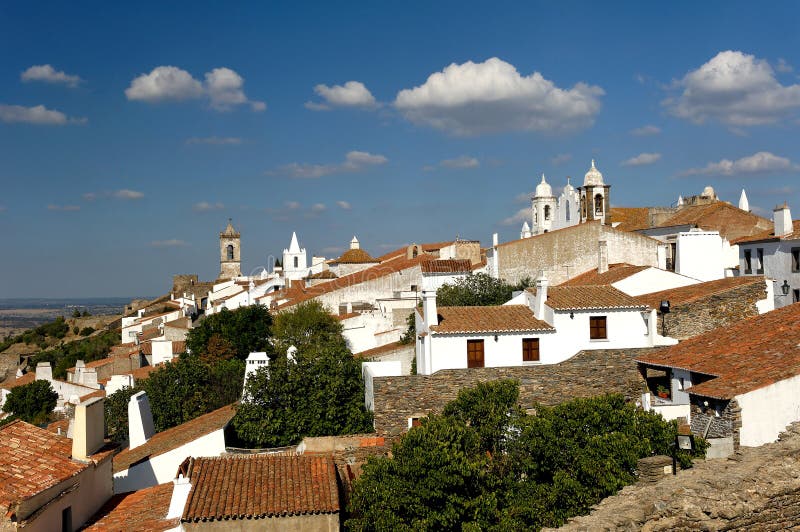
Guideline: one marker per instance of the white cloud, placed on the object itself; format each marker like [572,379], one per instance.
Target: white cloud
[561,158]
[223,87]
[735,89]
[215,141]
[292,205]
[351,94]
[460,162]
[171,243]
[758,163]
[646,131]
[642,159]
[38,115]
[127,194]
[355,161]
[522,215]
[89,196]
[318,208]
[48,74]
[344,205]
[475,98]
[783,66]
[63,208]
[205,206]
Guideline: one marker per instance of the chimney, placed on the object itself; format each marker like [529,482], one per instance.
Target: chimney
[180,494]
[541,296]
[89,429]
[602,256]
[429,311]
[44,371]
[781,218]
[140,420]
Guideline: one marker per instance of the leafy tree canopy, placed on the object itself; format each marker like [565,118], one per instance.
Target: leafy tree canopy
[31,402]
[486,465]
[244,330]
[306,325]
[479,289]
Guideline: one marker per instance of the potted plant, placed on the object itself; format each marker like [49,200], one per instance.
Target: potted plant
[662,391]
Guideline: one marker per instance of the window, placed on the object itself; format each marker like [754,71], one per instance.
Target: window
[547,212]
[796,259]
[597,328]
[583,206]
[474,353]
[530,349]
[66,519]
[760,260]
[566,209]
[795,295]
[414,422]
[229,252]
[296,262]
[598,204]
[748,261]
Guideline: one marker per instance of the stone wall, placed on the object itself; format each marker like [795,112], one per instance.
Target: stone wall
[587,374]
[190,284]
[757,488]
[718,310]
[706,422]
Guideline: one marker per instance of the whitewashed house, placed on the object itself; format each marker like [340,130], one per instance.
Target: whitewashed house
[631,279]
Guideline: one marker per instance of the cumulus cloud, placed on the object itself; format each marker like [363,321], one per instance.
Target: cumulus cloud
[351,94]
[223,87]
[37,115]
[205,206]
[476,98]
[355,161]
[783,66]
[344,205]
[214,141]
[171,243]
[127,194]
[292,205]
[318,208]
[758,163]
[63,208]
[48,74]
[561,158]
[642,159]
[522,215]
[646,131]
[735,89]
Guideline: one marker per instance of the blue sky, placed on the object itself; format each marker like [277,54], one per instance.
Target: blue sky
[130,133]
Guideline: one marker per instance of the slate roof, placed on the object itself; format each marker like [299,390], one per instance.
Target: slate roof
[172,438]
[731,222]
[259,486]
[616,272]
[144,509]
[687,294]
[754,353]
[769,234]
[488,319]
[588,297]
[446,266]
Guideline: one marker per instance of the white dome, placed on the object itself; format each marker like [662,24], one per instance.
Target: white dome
[593,177]
[568,187]
[543,189]
[708,192]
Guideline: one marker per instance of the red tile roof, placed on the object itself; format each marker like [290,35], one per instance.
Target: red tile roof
[694,292]
[630,218]
[149,334]
[427,248]
[586,297]
[173,438]
[21,381]
[324,274]
[731,222]
[446,266]
[145,509]
[754,353]
[615,273]
[769,234]
[259,486]
[489,319]
[355,256]
[382,350]
[33,460]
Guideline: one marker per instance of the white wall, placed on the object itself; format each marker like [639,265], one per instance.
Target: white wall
[700,255]
[777,266]
[164,467]
[767,412]
[652,280]
[370,370]
[625,329]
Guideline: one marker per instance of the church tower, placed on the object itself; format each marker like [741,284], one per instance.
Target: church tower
[230,260]
[544,208]
[295,263]
[595,201]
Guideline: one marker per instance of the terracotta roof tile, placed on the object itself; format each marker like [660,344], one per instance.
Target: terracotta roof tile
[173,438]
[499,318]
[33,460]
[427,248]
[769,234]
[355,256]
[181,323]
[731,222]
[615,273]
[324,274]
[149,334]
[446,266]
[145,509]
[694,292]
[754,353]
[21,381]
[630,218]
[259,486]
[381,350]
[589,297]
[142,372]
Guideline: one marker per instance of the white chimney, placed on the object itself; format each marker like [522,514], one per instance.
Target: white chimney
[89,429]
[429,311]
[140,420]
[180,494]
[782,219]
[44,371]
[495,240]
[541,296]
[354,243]
[602,256]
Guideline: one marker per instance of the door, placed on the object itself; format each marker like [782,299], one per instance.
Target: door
[474,353]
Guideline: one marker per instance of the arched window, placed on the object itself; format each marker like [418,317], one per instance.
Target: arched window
[535,217]
[583,206]
[296,262]
[547,212]
[229,251]
[567,209]
[598,204]
[414,252]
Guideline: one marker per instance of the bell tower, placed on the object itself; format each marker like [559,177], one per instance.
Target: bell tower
[595,200]
[230,262]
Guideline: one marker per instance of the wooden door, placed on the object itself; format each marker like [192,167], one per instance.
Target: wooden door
[474,353]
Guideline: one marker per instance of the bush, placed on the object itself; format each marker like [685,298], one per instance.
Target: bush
[244,330]
[31,402]
[86,331]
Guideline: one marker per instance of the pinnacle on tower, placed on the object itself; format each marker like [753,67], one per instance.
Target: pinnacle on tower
[294,247]
[743,203]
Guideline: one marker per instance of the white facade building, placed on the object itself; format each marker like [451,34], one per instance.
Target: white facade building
[295,261]
[549,212]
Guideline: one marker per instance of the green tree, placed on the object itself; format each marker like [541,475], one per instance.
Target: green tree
[76,313]
[86,331]
[31,402]
[245,330]
[409,336]
[305,325]
[116,413]
[477,289]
